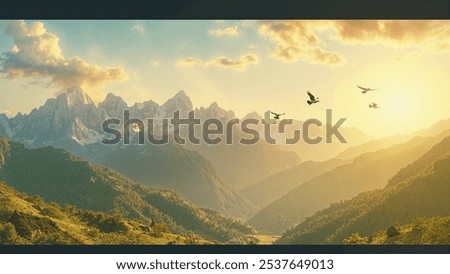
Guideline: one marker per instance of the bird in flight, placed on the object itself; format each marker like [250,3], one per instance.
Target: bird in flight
[364,90]
[373,105]
[277,115]
[313,99]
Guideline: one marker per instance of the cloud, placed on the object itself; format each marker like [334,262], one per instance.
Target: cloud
[297,40]
[429,34]
[37,54]
[230,31]
[137,28]
[221,61]
[189,62]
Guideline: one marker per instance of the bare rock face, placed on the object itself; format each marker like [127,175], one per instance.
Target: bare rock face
[71,117]
[113,106]
[214,111]
[5,127]
[180,102]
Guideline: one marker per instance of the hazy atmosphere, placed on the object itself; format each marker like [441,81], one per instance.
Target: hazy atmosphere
[292,132]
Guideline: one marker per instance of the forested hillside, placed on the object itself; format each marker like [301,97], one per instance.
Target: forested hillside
[367,172]
[422,193]
[30,220]
[422,231]
[63,178]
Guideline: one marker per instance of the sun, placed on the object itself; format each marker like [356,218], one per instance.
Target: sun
[409,95]
[399,102]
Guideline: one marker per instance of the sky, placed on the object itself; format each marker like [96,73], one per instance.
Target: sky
[242,65]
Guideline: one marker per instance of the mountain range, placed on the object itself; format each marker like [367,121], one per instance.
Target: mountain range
[420,189]
[275,186]
[73,122]
[366,172]
[374,145]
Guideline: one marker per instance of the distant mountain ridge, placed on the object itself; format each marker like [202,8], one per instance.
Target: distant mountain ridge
[275,186]
[367,172]
[420,189]
[377,144]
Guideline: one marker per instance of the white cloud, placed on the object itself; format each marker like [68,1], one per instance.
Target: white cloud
[189,61]
[37,54]
[432,35]
[297,40]
[229,31]
[222,61]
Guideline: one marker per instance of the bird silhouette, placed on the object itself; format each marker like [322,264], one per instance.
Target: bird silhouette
[313,99]
[277,115]
[374,105]
[364,90]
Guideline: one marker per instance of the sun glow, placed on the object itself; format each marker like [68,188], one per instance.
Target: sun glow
[399,102]
[409,94]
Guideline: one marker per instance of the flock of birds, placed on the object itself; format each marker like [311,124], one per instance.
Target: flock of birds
[364,90]
[313,99]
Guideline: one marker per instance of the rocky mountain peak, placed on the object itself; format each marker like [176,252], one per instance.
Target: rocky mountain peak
[113,105]
[74,96]
[111,98]
[180,102]
[180,93]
